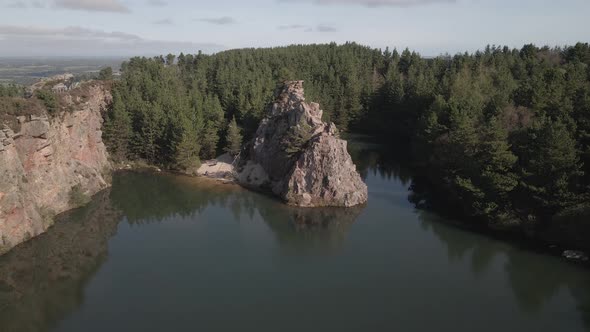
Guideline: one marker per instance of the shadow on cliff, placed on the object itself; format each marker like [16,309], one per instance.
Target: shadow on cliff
[42,280]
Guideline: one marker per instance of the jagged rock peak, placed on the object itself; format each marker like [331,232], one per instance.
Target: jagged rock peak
[290,90]
[300,158]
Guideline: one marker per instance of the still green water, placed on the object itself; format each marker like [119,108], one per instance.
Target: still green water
[166,253]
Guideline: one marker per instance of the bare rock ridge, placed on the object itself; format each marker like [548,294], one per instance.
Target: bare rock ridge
[47,162]
[300,158]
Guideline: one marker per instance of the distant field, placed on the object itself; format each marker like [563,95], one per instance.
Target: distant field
[28,70]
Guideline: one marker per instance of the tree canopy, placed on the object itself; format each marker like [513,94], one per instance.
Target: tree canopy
[504,133]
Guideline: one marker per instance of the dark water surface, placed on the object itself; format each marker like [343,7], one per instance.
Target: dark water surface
[167,253]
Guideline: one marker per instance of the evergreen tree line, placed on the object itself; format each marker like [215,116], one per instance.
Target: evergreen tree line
[502,134]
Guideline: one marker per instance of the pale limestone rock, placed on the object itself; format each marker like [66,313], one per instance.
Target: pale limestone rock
[218,168]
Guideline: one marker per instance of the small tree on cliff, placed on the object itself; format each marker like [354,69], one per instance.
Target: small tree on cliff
[233,138]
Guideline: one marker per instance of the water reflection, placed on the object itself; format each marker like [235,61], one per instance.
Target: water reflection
[389,260]
[377,159]
[321,230]
[43,280]
[535,279]
[145,198]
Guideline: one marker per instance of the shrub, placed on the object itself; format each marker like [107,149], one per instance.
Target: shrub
[297,138]
[47,215]
[78,197]
[49,100]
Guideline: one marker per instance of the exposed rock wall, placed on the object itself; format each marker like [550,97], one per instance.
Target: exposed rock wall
[300,158]
[46,158]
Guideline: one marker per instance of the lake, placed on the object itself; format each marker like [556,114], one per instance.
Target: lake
[159,252]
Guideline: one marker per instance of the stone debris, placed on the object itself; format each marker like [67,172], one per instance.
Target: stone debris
[575,255]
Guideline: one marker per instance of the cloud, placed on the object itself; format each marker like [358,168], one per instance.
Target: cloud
[72,31]
[157,3]
[307,28]
[79,41]
[93,5]
[325,28]
[225,20]
[26,4]
[292,27]
[17,4]
[165,21]
[374,3]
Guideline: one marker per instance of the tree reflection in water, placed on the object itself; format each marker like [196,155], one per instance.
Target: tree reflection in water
[146,198]
[534,278]
[43,281]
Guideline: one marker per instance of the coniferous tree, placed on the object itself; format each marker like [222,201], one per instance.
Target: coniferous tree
[497,177]
[552,170]
[477,123]
[233,138]
[187,151]
[117,129]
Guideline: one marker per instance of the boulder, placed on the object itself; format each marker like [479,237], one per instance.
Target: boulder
[575,255]
[300,158]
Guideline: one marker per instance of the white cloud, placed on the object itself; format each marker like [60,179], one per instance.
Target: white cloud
[307,28]
[292,27]
[93,5]
[225,20]
[26,4]
[17,4]
[374,3]
[31,40]
[157,3]
[165,21]
[325,28]
[73,31]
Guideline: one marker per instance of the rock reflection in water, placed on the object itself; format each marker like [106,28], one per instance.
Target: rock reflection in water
[311,230]
[147,198]
[43,280]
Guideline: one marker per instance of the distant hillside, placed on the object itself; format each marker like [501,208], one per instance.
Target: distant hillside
[26,71]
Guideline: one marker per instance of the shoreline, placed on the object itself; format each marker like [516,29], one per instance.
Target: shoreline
[512,236]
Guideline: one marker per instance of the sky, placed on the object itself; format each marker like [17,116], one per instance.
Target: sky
[151,27]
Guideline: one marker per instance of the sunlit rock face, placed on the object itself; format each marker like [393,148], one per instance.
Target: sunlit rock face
[300,158]
[42,157]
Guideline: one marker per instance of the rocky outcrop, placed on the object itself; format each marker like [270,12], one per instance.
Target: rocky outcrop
[300,158]
[48,163]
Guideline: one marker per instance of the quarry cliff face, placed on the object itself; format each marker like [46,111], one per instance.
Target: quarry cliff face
[49,163]
[300,158]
